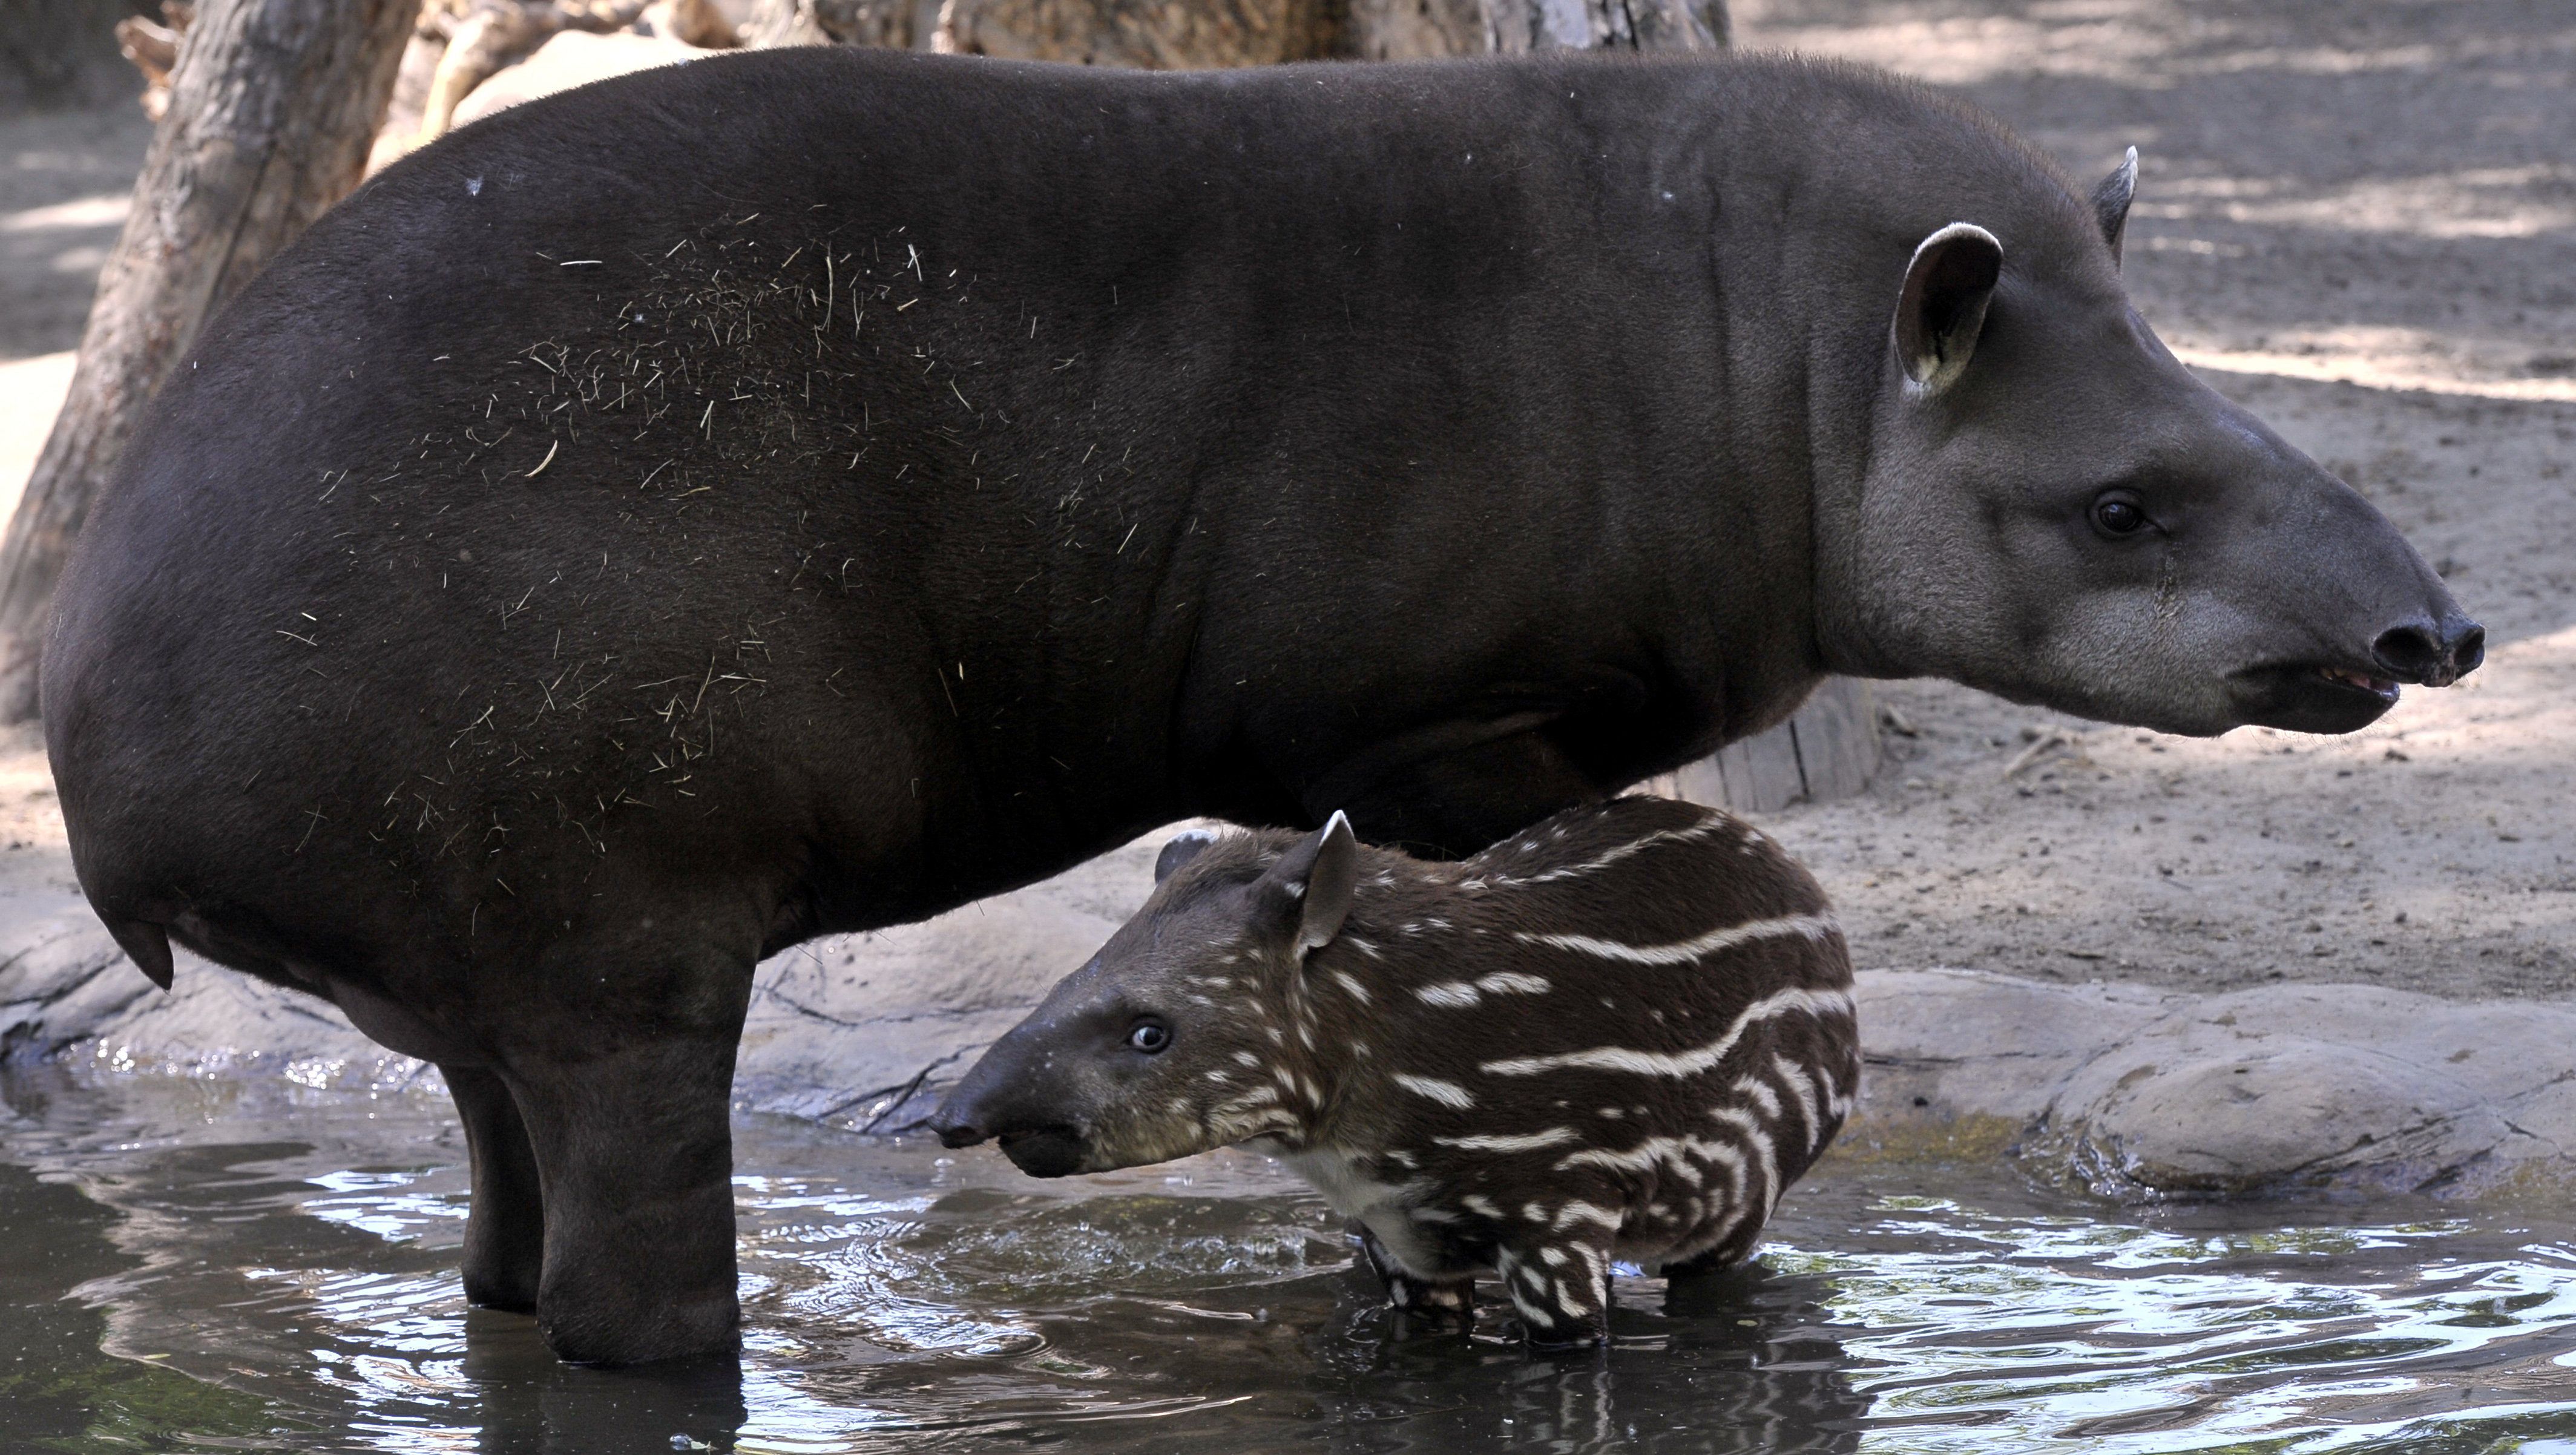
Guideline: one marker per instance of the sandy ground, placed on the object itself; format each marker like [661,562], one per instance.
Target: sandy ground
[2383,194]
[64,183]
[64,178]
[2359,220]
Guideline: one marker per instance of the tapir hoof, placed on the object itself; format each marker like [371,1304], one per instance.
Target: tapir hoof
[511,1290]
[642,1332]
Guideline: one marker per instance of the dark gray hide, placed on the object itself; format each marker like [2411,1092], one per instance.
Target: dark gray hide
[806,491]
[1619,1034]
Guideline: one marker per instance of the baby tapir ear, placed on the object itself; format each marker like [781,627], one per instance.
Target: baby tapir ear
[1308,891]
[2111,201]
[1942,307]
[1186,845]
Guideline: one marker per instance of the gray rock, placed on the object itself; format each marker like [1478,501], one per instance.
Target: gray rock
[865,1031]
[1971,1044]
[2149,1093]
[2313,1085]
[853,1030]
[2133,1092]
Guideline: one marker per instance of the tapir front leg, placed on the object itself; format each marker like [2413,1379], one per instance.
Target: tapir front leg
[636,1147]
[505,1231]
[1560,1286]
[1412,1295]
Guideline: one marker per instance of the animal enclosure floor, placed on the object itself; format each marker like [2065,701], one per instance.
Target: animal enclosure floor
[64,181]
[2381,195]
[2359,221]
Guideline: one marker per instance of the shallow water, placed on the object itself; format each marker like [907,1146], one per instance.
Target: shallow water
[223,1265]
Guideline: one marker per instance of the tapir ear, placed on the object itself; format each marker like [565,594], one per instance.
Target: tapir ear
[1186,845]
[1311,886]
[2111,201]
[1942,307]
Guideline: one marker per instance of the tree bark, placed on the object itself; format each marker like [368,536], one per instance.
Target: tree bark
[1162,35]
[272,109]
[1177,34]
[490,35]
[1648,25]
[894,24]
[1828,749]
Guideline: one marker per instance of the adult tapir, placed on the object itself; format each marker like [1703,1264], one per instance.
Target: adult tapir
[804,492]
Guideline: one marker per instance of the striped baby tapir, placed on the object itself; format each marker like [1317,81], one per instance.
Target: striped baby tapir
[1618,1035]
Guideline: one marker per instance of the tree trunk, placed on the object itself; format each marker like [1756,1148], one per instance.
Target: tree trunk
[1828,749]
[1646,25]
[1179,34]
[1162,35]
[895,24]
[272,109]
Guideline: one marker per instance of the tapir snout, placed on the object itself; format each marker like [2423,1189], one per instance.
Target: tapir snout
[2318,595]
[2432,654]
[1013,1097]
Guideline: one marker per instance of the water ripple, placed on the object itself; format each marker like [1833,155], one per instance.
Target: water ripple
[278,1273]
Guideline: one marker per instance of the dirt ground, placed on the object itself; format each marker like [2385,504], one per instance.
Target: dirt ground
[2383,194]
[64,177]
[2360,220]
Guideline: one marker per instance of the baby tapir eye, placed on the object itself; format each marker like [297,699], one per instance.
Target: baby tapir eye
[1148,1036]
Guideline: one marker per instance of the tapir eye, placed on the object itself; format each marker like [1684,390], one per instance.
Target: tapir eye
[2118,513]
[1148,1037]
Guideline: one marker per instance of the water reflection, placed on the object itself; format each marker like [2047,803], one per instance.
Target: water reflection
[277,1271]
[523,1399]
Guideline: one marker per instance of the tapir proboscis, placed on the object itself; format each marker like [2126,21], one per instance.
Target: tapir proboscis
[806,491]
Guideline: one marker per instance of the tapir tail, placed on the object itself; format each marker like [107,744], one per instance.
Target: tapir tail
[147,945]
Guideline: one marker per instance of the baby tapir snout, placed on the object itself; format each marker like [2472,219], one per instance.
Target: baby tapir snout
[1018,1096]
[1620,1034]
[984,1108]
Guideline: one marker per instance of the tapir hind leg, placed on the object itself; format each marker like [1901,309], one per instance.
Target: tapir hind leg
[506,1230]
[1409,1294]
[635,1147]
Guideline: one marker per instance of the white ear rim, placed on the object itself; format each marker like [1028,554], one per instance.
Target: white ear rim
[1948,231]
[2111,202]
[1337,829]
[1949,370]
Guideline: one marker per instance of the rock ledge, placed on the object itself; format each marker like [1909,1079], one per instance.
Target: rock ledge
[2129,1091]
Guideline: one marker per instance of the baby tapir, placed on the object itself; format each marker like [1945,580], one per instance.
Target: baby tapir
[1619,1034]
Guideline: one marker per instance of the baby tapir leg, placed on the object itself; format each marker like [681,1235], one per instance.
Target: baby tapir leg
[1748,1213]
[1560,1283]
[1417,1295]
[1737,1247]
[636,1148]
[505,1231]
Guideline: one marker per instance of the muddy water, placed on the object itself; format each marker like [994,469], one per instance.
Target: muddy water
[204,1265]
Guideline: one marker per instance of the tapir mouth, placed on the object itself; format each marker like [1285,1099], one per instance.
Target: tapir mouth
[2310,697]
[2382,688]
[1044,1151]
